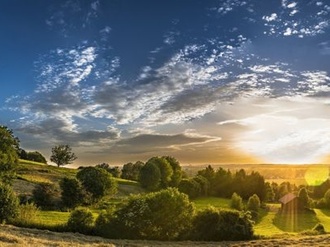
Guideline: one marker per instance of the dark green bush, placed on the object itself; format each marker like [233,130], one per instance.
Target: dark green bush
[81,220]
[8,203]
[218,225]
[162,215]
[46,196]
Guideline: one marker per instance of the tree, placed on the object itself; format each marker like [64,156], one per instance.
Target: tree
[97,181]
[177,171]
[36,156]
[62,155]
[131,171]
[253,203]
[303,198]
[150,176]
[46,195]
[190,187]
[9,148]
[72,192]
[165,169]
[8,203]
[236,202]
[114,171]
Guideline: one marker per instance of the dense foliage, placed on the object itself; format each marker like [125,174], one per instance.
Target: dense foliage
[72,192]
[162,215]
[160,173]
[9,146]
[218,225]
[81,220]
[8,203]
[131,171]
[45,196]
[97,181]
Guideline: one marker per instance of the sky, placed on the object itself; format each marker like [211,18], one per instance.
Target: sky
[205,81]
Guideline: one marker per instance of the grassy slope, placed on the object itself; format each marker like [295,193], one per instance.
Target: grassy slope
[30,173]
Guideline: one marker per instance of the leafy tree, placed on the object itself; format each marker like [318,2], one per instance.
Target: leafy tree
[9,146]
[176,169]
[208,173]
[270,194]
[131,171]
[253,203]
[162,215]
[150,176]
[97,182]
[219,225]
[190,187]
[22,154]
[236,202]
[204,185]
[8,203]
[165,169]
[303,198]
[72,192]
[114,171]
[36,156]
[81,220]
[62,155]
[45,195]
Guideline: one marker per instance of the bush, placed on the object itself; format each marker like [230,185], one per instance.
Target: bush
[97,181]
[72,194]
[253,203]
[190,187]
[81,220]
[8,203]
[236,202]
[27,214]
[46,196]
[163,215]
[219,225]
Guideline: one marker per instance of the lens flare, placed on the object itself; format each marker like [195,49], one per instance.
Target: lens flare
[317,175]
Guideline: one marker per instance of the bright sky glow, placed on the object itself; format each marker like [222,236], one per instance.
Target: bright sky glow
[220,81]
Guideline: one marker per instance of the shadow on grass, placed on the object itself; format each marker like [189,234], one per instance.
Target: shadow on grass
[298,221]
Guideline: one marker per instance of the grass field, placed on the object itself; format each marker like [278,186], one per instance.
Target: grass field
[204,202]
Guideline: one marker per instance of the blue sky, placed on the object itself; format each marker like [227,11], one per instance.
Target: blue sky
[219,81]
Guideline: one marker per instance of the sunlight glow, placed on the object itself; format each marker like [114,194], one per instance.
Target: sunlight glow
[316,175]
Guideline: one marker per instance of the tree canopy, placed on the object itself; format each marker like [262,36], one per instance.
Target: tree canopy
[9,146]
[62,155]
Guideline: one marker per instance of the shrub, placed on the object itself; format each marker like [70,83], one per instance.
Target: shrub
[218,225]
[8,203]
[97,181]
[253,203]
[46,196]
[72,193]
[163,215]
[236,202]
[81,220]
[190,187]
[27,214]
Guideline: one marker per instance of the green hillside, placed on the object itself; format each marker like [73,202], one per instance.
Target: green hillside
[30,173]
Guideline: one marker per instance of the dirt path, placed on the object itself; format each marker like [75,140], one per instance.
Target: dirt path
[15,236]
